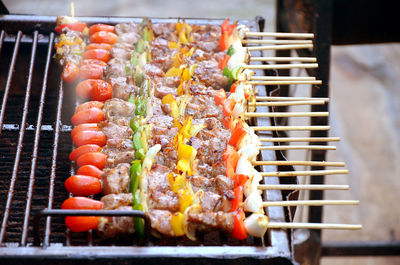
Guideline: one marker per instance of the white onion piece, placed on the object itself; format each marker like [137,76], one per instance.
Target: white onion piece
[251,150]
[244,167]
[251,185]
[150,156]
[241,31]
[189,231]
[253,203]
[256,224]
[238,110]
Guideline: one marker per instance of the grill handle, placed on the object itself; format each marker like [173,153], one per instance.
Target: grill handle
[63,213]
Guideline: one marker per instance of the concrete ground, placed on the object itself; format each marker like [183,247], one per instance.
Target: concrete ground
[364,112]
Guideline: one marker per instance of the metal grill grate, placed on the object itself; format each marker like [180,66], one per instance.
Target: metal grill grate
[34,147]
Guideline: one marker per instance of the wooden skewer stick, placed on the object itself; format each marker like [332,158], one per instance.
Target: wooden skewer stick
[291,128]
[72,9]
[280,35]
[281,66]
[294,82]
[276,225]
[280,47]
[300,139]
[303,187]
[310,203]
[304,173]
[288,103]
[260,98]
[286,114]
[276,41]
[284,59]
[282,78]
[300,163]
[298,147]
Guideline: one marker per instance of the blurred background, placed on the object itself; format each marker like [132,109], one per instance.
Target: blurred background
[364,112]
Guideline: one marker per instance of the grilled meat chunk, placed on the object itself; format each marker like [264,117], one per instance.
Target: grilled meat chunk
[161,221]
[211,220]
[116,180]
[118,108]
[112,226]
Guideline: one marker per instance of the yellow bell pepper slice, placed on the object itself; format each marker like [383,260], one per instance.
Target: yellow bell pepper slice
[177,224]
[173,71]
[170,99]
[173,45]
[177,182]
[185,200]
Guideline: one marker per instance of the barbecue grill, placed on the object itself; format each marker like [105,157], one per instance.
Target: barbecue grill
[34,129]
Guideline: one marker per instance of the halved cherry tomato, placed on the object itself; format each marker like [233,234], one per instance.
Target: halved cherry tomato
[81,203]
[93,61]
[231,158]
[228,122]
[238,192]
[98,54]
[70,72]
[78,26]
[89,170]
[233,88]
[103,37]
[100,27]
[89,105]
[224,42]
[90,137]
[104,46]
[85,88]
[239,230]
[91,71]
[229,104]
[225,27]
[223,61]
[92,115]
[237,134]
[96,159]
[219,97]
[79,224]
[240,180]
[101,92]
[82,185]
[85,127]
[83,149]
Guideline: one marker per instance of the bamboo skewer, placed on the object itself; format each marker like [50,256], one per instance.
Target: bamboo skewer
[277,225]
[280,47]
[288,103]
[310,203]
[300,139]
[260,98]
[294,82]
[291,128]
[282,78]
[298,147]
[281,66]
[253,41]
[303,187]
[286,114]
[299,163]
[304,173]
[280,35]
[284,59]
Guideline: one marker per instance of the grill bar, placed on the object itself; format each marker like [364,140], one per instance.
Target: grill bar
[38,129]
[54,161]
[10,193]
[2,39]
[7,88]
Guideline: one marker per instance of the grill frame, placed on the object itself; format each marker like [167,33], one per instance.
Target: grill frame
[278,249]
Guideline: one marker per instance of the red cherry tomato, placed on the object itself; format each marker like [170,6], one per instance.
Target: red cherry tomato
[81,203]
[72,26]
[92,115]
[239,230]
[82,185]
[91,71]
[238,192]
[90,137]
[231,158]
[93,61]
[95,88]
[89,105]
[103,37]
[96,159]
[85,127]
[219,97]
[70,73]
[83,149]
[89,170]
[104,46]
[101,92]
[79,224]
[97,54]
[100,27]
